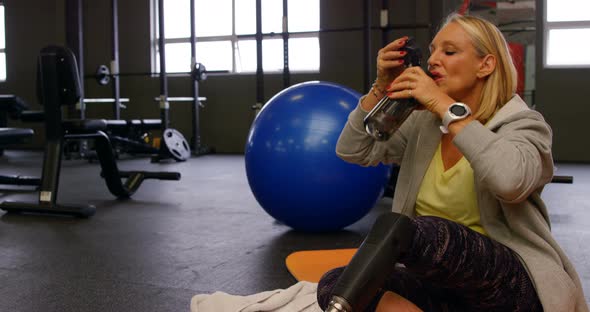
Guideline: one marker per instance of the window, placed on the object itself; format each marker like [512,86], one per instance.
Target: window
[2,44]
[567,26]
[225,31]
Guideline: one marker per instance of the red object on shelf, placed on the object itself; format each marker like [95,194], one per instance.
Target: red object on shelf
[517,53]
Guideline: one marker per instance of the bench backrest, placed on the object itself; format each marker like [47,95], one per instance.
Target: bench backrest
[58,82]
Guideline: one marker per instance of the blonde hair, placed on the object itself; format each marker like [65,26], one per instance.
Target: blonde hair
[500,85]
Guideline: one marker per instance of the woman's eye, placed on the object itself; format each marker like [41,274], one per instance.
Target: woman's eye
[450,52]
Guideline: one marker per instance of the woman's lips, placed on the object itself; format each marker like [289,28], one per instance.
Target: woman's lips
[436,76]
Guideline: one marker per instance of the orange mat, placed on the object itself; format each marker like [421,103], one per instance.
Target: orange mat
[310,265]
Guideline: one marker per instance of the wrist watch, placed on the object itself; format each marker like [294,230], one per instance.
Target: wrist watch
[457,111]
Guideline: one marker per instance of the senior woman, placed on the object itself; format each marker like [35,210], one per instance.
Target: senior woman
[473,162]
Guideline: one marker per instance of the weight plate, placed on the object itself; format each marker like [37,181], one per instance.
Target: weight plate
[176,144]
[103,75]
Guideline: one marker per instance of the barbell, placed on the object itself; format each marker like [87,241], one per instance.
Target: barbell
[103,74]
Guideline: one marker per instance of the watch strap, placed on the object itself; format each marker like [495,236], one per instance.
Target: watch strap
[450,117]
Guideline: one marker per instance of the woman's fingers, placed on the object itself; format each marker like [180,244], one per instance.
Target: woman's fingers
[391,53]
[415,83]
[417,74]
[411,83]
[396,44]
[409,79]
[391,64]
[390,61]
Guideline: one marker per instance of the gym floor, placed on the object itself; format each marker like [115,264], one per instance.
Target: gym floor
[176,239]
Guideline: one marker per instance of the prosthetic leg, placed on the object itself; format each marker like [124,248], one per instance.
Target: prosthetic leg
[388,239]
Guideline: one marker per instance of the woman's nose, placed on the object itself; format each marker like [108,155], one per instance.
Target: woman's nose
[432,60]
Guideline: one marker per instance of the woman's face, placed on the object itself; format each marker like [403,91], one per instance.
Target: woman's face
[454,63]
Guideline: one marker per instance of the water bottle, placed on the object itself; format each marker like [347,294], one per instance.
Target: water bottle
[388,115]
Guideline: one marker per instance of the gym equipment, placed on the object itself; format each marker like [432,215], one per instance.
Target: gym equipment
[12,106]
[173,137]
[10,136]
[124,136]
[562,179]
[58,84]
[106,100]
[176,145]
[390,236]
[291,163]
[132,136]
[103,75]
[198,73]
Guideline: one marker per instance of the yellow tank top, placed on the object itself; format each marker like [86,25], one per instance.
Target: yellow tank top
[449,194]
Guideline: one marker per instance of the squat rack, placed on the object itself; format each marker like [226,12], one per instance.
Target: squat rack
[368,57]
[197,148]
[75,39]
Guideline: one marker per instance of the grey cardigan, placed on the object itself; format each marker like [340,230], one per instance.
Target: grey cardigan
[511,161]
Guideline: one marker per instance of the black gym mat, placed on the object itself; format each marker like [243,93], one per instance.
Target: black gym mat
[177,239]
[171,241]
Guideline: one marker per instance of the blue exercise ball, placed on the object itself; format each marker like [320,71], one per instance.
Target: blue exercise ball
[291,163]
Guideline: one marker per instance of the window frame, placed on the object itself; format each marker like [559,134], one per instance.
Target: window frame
[233,38]
[3,50]
[555,25]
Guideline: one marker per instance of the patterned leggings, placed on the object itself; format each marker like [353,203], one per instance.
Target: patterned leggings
[453,268]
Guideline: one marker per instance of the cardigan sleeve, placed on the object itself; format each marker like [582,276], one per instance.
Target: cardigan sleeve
[355,145]
[513,159]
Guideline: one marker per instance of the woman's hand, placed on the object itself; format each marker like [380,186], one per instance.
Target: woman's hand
[414,82]
[390,62]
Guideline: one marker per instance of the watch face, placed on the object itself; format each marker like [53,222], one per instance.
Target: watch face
[458,110]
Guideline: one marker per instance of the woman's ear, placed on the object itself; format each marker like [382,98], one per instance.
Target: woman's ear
[487,66]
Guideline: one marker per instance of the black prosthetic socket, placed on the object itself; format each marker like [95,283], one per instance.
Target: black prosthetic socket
[390,237]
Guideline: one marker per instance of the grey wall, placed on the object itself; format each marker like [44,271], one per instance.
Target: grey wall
[30,25]
[226,119]
[563,96]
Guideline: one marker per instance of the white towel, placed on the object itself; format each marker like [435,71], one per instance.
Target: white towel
[300,297]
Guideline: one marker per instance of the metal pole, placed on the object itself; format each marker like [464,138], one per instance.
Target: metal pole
[115,60]
[164,105]
[367,44]
[195,142]
[286,71]
[259,70]
[75,41]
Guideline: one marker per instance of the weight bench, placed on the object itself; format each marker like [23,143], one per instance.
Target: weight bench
[12,106]
[127,135]
[11,136]
[58,85]
[119,126]
[122,134]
